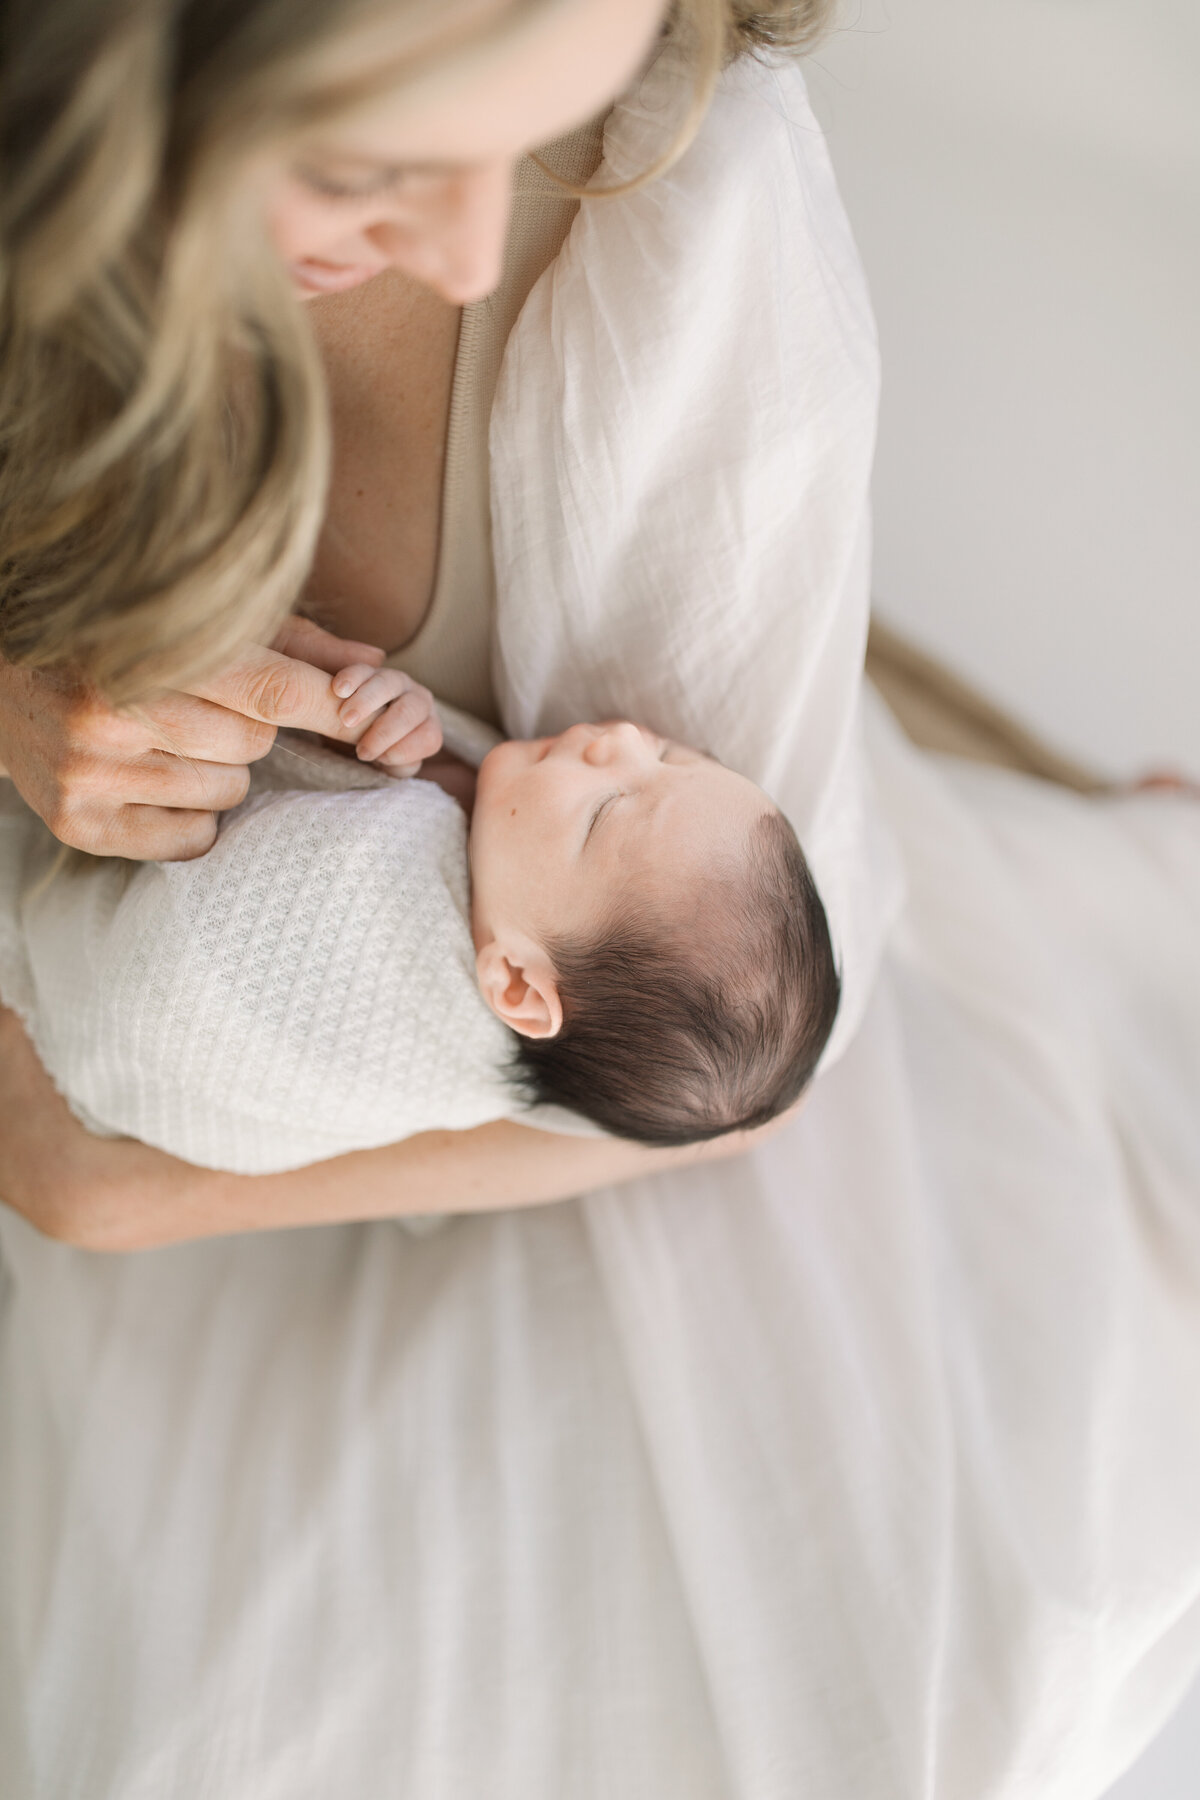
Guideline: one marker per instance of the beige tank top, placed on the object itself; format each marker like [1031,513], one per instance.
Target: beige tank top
[451,651]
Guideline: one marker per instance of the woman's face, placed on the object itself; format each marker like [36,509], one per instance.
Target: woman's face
[423,184]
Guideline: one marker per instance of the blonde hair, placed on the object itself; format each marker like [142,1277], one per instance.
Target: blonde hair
[163,433]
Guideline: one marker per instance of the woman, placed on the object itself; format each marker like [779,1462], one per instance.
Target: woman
[393,348]
[850,1466]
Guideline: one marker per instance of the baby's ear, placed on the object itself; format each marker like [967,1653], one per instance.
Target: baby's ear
[519,984]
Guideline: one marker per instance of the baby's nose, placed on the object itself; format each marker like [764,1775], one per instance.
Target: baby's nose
[612,740]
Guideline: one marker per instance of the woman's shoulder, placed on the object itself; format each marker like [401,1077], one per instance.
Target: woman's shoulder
[758,121]
[647,116]
[742,244]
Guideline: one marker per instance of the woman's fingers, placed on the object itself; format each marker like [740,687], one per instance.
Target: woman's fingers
[140,833]
[183,726]
[83,1190]
[277,691]
[163,780]
[34,1120]
[161,833]
[310,643]
[133,782]
[148,781]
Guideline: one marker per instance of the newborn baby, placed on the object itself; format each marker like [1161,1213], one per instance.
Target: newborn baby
[644,920]
[639,942]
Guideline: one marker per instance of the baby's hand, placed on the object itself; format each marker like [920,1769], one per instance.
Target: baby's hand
[400,725]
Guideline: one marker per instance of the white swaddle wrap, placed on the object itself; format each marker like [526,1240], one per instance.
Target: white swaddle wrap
[306,988]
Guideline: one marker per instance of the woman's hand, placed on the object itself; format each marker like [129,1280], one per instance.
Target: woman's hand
[114,1194]
[148,782]
[50,1163]
[95,1193]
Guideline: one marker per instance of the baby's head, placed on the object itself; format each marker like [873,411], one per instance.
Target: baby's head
[644,919]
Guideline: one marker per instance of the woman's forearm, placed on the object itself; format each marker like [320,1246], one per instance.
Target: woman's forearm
[115,1194]
[125,1196]
[484,1170]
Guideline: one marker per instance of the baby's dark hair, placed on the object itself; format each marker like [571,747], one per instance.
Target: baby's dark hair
[667,1045]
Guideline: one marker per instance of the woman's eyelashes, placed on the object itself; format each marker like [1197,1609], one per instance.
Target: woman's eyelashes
[372,187]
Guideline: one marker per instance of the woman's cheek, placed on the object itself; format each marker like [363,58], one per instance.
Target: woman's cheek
[301,227]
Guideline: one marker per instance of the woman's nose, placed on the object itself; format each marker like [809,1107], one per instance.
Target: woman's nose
[458,247]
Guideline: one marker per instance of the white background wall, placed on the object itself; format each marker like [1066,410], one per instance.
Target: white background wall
[1170,1769]
[1024,180]
[1023,177]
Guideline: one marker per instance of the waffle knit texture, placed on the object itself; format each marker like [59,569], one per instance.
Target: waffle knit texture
[306,988]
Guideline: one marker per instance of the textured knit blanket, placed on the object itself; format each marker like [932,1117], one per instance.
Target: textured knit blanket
[306,988]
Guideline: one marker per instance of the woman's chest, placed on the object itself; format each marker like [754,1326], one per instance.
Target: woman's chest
[389,353]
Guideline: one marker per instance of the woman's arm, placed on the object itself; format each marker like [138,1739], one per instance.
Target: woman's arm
[115,1194]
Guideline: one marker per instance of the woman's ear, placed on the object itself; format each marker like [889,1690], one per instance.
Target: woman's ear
[519,984]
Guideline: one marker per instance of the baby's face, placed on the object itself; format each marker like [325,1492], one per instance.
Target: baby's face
[564,826]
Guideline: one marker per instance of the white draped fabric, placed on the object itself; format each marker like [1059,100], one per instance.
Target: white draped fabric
[865,1467]
[680,453]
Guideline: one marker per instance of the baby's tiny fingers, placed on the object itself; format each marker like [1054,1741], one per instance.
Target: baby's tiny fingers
[404,727]
[386,687]
[349,680]
[408,753]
